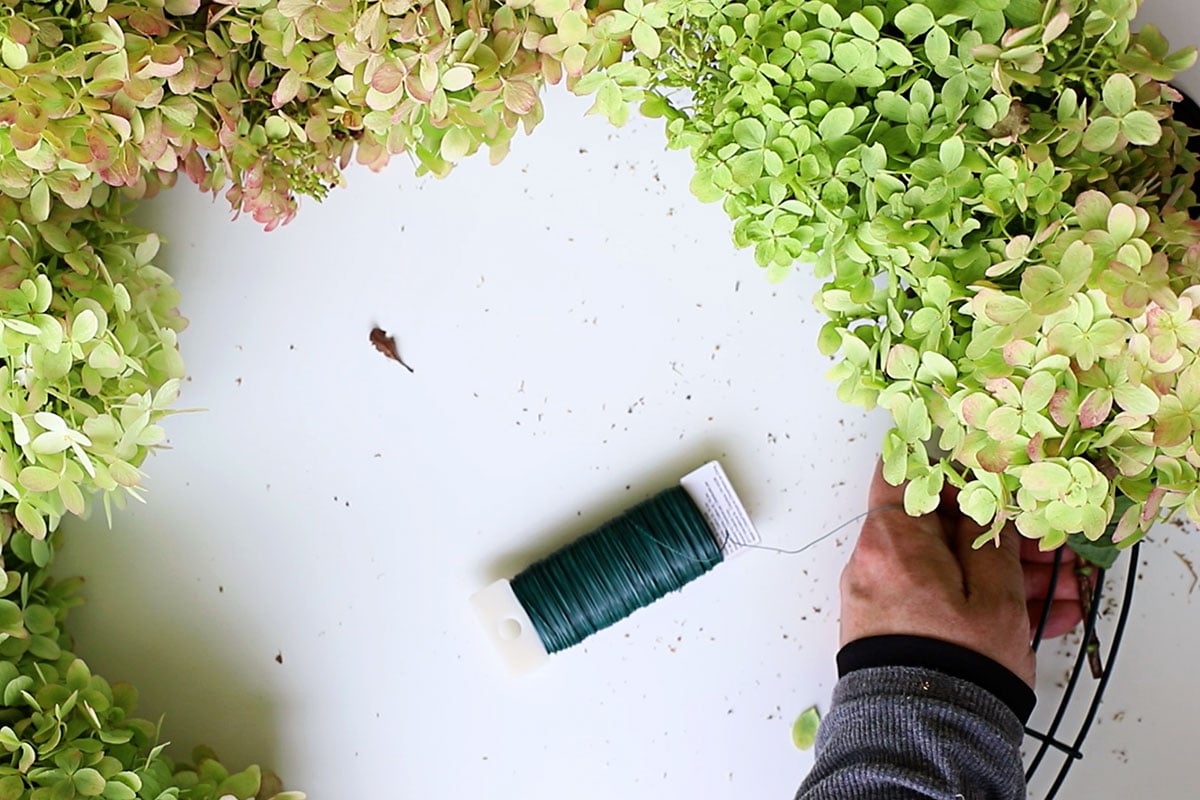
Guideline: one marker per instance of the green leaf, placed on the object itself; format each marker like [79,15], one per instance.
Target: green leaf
[902,362]
[12,623]
[31,520]
[978,502]
[1119,94]
[1077,261]
[829,340]
[457,78]
[914,19]
[937,46]
[84,326]
[951,153]
[895,458]
[28,754]
[804,729]
[13,54]
[747,167]
[922,495]
[519,97]
[837,122]
[1003,423]
[89,783]
[863,27]
[1101,134]
[1136,399]
[572,27]
[553,8]
[78,675]
[104,357]
[39,619]
[38,479]
[119,791]
[39,202]
[12,787]
[1102,552]
[896,52]
[645,39]
[955,90]
[242,784]
[873,159]
[72,497]
[1045,479]
[828,16]
[455,144]
[749,133]
[1122,222]
[936,368]
[1037,391]
[1141,128]
[1181,60]
[1095,408]
[825,72]
[703,187]
[848,56]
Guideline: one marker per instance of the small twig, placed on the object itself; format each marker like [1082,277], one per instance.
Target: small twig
[1191,568]
[1084,573]
[387,345]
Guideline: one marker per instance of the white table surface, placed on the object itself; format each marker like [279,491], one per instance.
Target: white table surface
[583,333]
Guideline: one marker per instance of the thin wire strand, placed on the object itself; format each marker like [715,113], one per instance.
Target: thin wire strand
[823,536]
[654,548]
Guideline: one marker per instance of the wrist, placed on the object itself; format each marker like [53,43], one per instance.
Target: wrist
[942,656]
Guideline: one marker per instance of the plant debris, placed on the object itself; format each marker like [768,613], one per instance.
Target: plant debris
[387,345]
[804,729]
[1191,568]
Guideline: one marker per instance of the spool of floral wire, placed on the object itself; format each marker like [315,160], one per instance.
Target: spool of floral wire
[629,562]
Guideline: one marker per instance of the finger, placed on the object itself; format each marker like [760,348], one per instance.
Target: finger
[891,539]
[949,496]
[883,493]
[948,509]
[1064,616]
[1038,578]
[991,573]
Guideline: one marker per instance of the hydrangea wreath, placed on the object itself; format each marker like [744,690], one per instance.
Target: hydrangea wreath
[997,194]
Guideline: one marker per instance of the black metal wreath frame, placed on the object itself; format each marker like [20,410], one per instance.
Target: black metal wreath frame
[1069,748]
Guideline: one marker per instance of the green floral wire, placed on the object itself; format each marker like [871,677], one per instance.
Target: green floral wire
[654,548]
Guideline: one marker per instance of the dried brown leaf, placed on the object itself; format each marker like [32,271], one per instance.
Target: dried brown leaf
[387,345]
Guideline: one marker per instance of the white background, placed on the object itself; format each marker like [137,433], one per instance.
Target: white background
[583,333]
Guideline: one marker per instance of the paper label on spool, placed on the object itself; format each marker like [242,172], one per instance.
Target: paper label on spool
[713,494]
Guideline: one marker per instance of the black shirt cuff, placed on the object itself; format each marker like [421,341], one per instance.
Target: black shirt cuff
[950,659]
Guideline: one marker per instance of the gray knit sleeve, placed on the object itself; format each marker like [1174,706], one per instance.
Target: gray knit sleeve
[902,733]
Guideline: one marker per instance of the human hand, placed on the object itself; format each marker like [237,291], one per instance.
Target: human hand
[1066,610]
[919,576]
